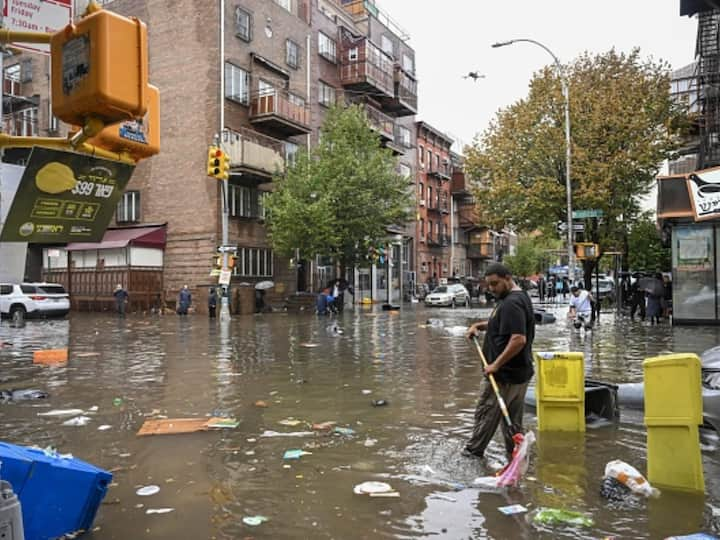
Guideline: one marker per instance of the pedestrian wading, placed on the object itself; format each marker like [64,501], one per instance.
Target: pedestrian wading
[509,334]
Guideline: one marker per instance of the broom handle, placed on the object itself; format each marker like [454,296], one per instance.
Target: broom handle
[500,399]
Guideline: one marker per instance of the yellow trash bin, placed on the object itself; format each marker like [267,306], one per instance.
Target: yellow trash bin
[673,412]
[560,391]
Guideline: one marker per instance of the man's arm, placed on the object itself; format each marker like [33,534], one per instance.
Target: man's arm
[473,329]
[512,349]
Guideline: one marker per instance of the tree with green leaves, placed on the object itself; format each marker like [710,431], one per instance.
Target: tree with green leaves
[620,113]
[646,251]
[532,255]
[340,198]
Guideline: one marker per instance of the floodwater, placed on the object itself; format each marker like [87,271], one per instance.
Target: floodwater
[315,370]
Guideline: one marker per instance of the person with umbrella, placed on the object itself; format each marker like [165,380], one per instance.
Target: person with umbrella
[507,346]
[655,289]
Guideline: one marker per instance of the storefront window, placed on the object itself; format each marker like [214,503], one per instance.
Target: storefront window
[694,291]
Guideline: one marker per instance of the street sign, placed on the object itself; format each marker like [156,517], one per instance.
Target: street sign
[577,227]
[224,278]
[586,214]
[36,16]
[227,249]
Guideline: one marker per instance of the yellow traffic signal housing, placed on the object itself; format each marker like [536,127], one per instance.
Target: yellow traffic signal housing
[213,161]
[585,250]
[218,165]
[139,138]
[100,69]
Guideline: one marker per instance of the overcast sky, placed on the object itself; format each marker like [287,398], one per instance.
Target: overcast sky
[453,37]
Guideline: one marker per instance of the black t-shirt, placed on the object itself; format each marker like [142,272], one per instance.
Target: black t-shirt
[513,315]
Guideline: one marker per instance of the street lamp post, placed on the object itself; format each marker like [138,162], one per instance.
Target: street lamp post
[568,185]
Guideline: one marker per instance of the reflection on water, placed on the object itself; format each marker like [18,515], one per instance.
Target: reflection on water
[318,370]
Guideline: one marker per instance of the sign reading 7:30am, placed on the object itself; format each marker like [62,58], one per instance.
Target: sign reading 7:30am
[65,197]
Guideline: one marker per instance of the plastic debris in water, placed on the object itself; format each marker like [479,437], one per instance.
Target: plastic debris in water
[379,402]
[348,432]
[560,516]
[104,427]
[61,412]
[77,421]
[159,510]
[512,509]
[292,422]
[366,392]
[229,423]
[295,454]
[146,491]
[254,521]
[372,488]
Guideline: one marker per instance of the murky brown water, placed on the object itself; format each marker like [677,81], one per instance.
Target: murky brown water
[191,367]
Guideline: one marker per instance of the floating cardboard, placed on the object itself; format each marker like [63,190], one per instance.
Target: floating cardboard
[50,357]
[175,426]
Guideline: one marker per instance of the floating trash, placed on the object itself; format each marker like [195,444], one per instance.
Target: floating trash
[295,454]
[560,516]
[348,432]
[309,345]
[254,521]
[512,509]
[367,392]
[159,510]
[372,487]
[379,403]
[77,421]
[61,412]
[291,422]
[270,434]
[146,491]
[104,427]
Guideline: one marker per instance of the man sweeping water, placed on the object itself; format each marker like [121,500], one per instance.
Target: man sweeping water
[507,347]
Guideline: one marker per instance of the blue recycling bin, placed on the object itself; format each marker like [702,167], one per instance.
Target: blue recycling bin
[58,496]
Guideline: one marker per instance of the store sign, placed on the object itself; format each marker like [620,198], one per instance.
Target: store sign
[47,16]
[65,197]
[704,189]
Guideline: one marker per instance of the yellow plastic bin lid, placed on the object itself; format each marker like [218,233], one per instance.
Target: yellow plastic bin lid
[560,376]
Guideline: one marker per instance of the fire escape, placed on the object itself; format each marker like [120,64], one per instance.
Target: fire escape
[708,54]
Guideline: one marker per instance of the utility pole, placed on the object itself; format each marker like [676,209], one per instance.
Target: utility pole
[225,300]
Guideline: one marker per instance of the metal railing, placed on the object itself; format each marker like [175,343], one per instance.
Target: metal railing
[278,103]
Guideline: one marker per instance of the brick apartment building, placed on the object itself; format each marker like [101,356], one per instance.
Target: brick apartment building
[434,203]
[285,62]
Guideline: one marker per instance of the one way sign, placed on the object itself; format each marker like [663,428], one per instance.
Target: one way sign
[577,227]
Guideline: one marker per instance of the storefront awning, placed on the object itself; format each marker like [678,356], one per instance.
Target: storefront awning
[153,237]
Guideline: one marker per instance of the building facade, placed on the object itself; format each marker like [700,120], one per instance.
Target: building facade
[433,182]
[283,64]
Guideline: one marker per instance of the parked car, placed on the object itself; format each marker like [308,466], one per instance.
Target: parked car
[451,295]
[34,300]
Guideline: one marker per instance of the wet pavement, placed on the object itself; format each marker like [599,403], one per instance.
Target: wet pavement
[315,370]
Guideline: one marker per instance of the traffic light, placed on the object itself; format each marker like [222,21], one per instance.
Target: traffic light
[586,250]
[218,165]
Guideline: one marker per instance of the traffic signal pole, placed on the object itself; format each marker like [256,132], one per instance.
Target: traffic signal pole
[225,300]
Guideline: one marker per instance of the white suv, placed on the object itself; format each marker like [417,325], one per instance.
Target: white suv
[34,300]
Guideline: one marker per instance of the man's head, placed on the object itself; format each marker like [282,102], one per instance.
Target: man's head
[499,280]
[575,291]
[118,287]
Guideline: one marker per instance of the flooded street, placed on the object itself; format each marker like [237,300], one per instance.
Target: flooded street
[316,370]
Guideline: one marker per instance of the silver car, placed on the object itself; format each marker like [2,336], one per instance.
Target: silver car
[33,300]
[451,295]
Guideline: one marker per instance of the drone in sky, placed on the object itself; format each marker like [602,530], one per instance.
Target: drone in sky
[474,75]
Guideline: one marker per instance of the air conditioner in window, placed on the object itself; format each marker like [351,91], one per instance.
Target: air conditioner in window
[422,202]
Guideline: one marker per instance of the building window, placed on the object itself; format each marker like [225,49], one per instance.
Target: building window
[243,24]
[437,162]
[296,100]
[404,136]
[22,123]
[254,262]
[421,191]
[292,54]
[26,71]
[326,47]
[387,45]
[287,4]
[429,229]
[128,209]
[353,54]
[405,171]
[326,94]
[429,195]
[237,83]
[408,64]
[245,202]
[421,154]
[291,150]
[422,229]
[429,159]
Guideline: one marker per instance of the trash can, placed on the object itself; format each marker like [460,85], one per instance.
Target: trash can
[58,495]
[246,299]
[673,413]
[11,525]
[560,391]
